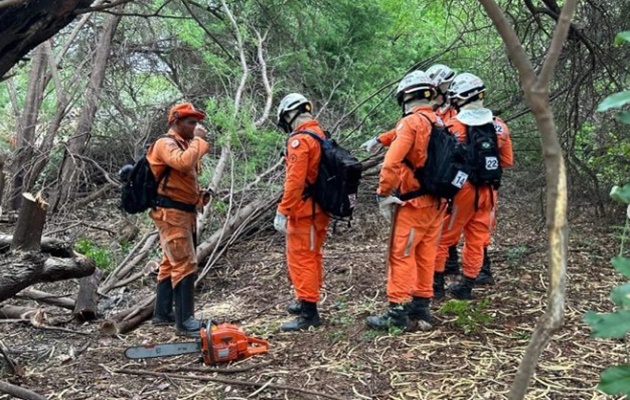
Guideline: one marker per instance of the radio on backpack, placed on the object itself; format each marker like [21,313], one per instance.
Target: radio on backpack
[336,188]
[484,157]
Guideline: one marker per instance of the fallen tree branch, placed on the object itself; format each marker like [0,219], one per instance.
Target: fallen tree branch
[126,265]
[19,392]
[48,298]
[13,366]
[226,381]
[22,269]
[52,246]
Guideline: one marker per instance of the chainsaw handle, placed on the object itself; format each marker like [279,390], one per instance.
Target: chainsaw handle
[263,346]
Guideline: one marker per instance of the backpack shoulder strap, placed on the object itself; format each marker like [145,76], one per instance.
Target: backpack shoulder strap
[311,134]
[422,115]
[167,171]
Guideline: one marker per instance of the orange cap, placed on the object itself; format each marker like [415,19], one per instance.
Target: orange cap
[184,110]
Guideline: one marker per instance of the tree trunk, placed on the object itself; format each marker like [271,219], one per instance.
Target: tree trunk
[78,143]
[87,300]
[3,159]
[26,25]
[27,125]
[30,224]
[536,89]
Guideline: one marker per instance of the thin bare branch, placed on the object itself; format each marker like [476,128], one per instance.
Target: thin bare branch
[559,36]
[9,3]
[512,43]
[102,7]
[265,79]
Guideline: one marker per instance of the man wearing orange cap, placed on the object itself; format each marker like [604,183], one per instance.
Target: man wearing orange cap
[174,160]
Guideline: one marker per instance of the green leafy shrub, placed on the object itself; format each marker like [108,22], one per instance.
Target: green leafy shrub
[616,380]
[102,257]
[470,315]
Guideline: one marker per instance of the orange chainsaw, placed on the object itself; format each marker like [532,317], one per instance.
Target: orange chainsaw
[220,343]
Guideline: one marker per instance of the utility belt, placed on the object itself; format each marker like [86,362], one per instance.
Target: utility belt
[167,202]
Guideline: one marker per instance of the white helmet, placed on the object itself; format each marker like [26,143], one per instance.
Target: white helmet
[440,73]
[292,101]
[466,86]
[413,82]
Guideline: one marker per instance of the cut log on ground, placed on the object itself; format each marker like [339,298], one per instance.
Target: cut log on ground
[52,246]
[19,270]
[87,300]
[16,312]
[30,223]
[48,298]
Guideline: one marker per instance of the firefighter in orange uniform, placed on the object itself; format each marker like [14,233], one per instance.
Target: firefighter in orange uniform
[297,215]
[175,215]
[441,76]
[474,205]
[418,221]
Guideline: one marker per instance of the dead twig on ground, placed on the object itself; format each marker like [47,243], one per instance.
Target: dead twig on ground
[226,381]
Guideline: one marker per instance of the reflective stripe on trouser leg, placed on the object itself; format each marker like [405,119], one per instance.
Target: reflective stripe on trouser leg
[476,235]
[412,225]
[305,238]
[425,257]
[463,209]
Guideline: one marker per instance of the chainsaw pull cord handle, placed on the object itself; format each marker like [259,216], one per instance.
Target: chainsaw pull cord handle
[210,344]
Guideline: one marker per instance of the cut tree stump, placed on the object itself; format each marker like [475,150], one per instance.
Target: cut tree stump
[87,300]
[30,223]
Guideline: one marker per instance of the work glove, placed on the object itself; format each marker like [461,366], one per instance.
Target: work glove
[371,146]
[386,205]
[280,222]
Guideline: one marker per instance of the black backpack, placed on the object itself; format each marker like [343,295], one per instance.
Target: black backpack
[139,188]
[484,158]
[338,177]
[445,170]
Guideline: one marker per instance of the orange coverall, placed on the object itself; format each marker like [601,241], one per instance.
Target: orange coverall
[475,224]
[176,227]
[418,221]
[307,223]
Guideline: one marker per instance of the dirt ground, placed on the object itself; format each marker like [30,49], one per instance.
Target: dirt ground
[343,360]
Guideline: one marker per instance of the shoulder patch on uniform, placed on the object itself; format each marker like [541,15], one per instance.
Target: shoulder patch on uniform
[292,158]
[295,143]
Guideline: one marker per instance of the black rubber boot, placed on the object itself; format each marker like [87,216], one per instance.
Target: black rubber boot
[438,285]
[452,262]
[396,315]
[485,275]
[463,289]
[185,322]
[309,317]
[295,307]
[418,309]
[163,312]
